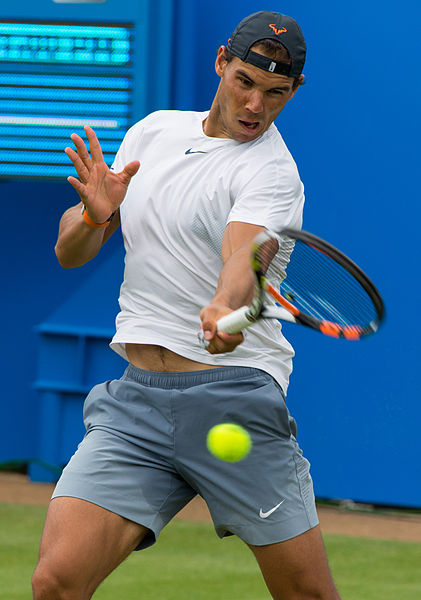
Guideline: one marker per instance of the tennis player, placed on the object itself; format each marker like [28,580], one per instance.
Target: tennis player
[190,190]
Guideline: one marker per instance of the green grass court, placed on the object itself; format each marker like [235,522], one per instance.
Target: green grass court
[191,562]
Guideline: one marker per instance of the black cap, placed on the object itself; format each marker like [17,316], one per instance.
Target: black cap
[274,26]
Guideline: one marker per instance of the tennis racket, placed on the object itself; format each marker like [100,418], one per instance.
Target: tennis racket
[302,279]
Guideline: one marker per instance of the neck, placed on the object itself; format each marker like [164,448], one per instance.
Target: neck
[212,124]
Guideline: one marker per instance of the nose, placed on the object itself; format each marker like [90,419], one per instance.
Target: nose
[255,101]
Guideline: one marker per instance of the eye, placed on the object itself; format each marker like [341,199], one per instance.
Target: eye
[245,82]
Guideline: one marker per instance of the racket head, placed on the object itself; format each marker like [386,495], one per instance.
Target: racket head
[322,287]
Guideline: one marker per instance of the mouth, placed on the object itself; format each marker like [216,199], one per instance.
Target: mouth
[250,126]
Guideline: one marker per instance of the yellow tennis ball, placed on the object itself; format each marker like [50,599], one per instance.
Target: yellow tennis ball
[229,442]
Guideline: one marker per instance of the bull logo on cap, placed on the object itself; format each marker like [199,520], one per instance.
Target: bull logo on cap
[276,30]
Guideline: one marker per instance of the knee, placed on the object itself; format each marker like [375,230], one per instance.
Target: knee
[308,594]
[46,585]
[313,593]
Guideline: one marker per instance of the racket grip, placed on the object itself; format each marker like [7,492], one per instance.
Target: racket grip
[235,321]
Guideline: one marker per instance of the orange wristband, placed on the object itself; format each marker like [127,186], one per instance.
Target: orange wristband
[91,223]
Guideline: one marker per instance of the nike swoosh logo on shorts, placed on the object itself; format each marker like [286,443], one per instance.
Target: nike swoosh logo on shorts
[191,151]
[265,515]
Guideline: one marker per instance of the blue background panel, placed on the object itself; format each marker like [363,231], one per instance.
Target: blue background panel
[353,130]
[353,135]
[67,45]
[35,285]
[56,77]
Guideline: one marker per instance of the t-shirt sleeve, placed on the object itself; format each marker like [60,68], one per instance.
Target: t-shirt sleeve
[270,195]
[128,148]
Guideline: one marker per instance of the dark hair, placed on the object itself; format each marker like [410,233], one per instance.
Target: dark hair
[272,49]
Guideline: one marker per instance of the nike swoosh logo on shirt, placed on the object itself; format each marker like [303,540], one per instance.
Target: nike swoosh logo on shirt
[265,515]
[190,151]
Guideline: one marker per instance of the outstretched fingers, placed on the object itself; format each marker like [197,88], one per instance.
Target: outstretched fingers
[94,145]
[129,171]
[79,157]
[99,188]
[78,186]
[81,168]
[82,150]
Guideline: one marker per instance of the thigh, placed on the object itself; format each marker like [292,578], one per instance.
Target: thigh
[297,568]
[82,543]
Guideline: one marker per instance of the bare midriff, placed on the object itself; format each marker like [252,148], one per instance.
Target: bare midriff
[157,358]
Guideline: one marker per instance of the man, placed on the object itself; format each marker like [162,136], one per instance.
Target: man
[191,190]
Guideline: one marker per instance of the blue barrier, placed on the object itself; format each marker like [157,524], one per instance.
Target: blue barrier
[71,361]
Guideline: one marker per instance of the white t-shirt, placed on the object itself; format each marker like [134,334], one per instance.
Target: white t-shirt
[188,187]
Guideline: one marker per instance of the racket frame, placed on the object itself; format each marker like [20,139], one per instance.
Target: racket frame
[286,311]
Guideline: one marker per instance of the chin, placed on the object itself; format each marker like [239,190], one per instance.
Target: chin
[247,138]
[252,134]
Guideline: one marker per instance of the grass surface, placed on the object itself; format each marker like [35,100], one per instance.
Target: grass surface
[189,561]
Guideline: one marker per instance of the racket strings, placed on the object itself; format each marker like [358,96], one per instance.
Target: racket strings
[320,286]
[327,270]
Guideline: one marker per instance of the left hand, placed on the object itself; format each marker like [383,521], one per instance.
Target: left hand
[219,341]
[101,190]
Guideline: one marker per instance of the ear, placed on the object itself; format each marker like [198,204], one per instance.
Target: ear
[220,63]
[295,87]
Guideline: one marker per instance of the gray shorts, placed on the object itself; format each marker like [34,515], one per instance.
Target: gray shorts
[144,455]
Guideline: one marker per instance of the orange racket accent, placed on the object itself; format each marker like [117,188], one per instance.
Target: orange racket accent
[352,332]
[329,328]
[279,298]
[319,250]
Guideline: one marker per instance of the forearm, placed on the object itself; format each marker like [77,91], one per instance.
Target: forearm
[236,284]
[77,242]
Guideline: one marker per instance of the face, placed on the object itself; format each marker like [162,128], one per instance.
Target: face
[248,100]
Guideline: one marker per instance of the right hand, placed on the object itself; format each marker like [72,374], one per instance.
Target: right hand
[218,341]
[100,189]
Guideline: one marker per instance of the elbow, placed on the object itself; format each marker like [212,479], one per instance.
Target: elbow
[58,256]
[63,260]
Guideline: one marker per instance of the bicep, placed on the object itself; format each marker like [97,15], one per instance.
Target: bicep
[238,235]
